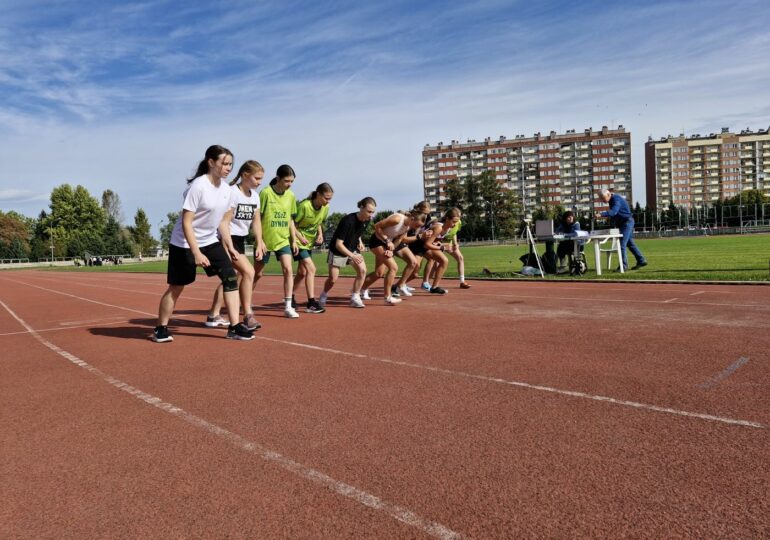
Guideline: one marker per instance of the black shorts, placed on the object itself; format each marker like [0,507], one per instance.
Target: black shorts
[181,263]
[375,242]
[399,247]
[418,248]
[239,243]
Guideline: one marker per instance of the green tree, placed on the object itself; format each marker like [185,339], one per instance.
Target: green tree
[455,195]
[140,233]
[117,240]
[168,228]
[111,206]
[14,236]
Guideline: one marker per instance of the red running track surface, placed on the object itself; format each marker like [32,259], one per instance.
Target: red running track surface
[513,409]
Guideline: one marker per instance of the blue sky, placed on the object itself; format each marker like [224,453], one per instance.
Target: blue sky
[127,95]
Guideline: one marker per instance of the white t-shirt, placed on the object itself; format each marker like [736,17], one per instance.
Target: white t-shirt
[244,210]
[209,204]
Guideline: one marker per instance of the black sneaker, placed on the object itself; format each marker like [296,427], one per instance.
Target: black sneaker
[314,307]
[239,331]
[437,290]
[394,291]
[161,335]
[639,265]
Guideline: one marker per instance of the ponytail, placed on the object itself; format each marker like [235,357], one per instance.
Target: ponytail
[212,152]
[249,167]
[323,188]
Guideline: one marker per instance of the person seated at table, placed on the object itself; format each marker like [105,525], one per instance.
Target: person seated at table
[567,225]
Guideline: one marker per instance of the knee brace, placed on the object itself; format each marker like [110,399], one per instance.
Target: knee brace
[229,280]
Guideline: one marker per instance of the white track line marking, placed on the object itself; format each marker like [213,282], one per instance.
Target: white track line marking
[670,300]
[360,496]
[571,393]
[729,370]
[59,329]
[696,293]
[86,321]
[486,378]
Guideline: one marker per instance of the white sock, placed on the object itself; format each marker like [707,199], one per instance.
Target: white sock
[324,295]
[462,278]
[287,302]
[425,284]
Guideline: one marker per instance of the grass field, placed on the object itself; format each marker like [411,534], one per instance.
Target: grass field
[703,258]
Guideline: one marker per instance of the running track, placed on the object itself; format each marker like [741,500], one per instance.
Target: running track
[511,410]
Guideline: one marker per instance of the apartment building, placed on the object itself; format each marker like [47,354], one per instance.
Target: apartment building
[700,170]
[568,169]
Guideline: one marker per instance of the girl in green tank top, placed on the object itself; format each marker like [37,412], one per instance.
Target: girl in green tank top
[278,207]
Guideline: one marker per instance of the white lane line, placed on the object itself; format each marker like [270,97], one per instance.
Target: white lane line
[360,496]
[606,399]
[696,293]
[483,377]
[670,300]
[86,321]
[719,377]
[63,329]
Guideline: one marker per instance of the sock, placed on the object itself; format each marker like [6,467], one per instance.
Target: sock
[425,283]
[287,302]
[324,295]
[462,278]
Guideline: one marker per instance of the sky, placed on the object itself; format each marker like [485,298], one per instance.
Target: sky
[128,95]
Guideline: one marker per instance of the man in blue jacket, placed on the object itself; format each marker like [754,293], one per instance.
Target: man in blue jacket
[623,219]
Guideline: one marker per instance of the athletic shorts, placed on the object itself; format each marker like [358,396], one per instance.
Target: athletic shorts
[239,243]
[285,250]
[375,242]
[418,248]
[399,247]
[181,263]
[303,254]
[337,260]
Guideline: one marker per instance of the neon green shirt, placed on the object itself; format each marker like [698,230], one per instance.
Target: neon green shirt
[307,221]
[276,211]
[451,233]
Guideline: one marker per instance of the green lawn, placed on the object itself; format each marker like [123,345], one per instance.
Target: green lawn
[703,258]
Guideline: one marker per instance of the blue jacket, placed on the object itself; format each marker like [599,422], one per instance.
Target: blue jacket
[618,209]
[561,228]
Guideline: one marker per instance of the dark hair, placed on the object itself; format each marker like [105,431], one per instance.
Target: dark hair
[366,200]
[567,214]
[452,213]
[322,188]
[422,206]
[284,171]
[249,167]
[212,152]
[417,214]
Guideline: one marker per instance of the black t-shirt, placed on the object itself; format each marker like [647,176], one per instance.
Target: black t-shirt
[349,229]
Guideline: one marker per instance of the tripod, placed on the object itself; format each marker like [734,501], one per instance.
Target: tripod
[533,247]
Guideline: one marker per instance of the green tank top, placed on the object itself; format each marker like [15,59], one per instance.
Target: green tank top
[276,211]
[307,221]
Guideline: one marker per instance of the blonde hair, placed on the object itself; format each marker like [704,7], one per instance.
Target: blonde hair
[249,167]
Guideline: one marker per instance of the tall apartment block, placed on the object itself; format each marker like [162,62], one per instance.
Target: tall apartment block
[700,170]
[568,169]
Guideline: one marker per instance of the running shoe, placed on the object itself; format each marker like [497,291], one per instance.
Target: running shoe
[314,307]
[251,323]
[239,332]
[408,288]
[464,285]
[425,286]
[161,335]
[365,294]
[290,313]
[356,302]
[213,322]
[392,300]
[437,290]
[405,291]
[394,291]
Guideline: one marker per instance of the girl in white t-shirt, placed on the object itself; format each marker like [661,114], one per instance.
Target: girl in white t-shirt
[194,242]
[243,216]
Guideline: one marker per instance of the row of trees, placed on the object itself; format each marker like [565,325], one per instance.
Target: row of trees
[75,224]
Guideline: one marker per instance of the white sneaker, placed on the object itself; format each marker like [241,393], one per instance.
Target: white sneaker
[290,313]
[392,300]
[322,299]
[405,291]
[356,302]
[408,288]
[425,285]
[365,294]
